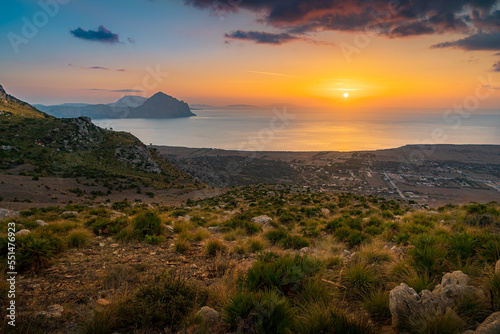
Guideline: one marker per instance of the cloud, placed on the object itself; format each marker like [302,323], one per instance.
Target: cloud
[261,37]
[479,41]
[395,18]
[412,29]
[100,35]
[496,68]
[117,90]
[95,68]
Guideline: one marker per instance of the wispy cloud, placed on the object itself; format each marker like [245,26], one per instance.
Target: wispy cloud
[95,68]
[100,35]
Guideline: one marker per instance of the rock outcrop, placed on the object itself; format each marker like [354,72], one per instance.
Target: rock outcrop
[407,306]
[490,326]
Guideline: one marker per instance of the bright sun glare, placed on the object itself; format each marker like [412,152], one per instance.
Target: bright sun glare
[346,94]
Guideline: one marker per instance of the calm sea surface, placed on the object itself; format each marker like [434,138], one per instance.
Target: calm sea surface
[313,130]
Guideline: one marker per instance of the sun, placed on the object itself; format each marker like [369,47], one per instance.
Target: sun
[346,94]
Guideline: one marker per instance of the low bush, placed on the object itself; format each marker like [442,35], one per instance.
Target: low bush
[164,303]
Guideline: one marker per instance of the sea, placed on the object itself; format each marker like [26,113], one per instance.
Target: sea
[282,128]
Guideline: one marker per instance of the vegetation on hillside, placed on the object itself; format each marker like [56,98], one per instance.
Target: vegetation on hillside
[321,263]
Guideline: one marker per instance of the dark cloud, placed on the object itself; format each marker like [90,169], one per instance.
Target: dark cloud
[397,18]
[96,68]
[496,67]
[100,35]
[412,29]
[479,41]
[261,37]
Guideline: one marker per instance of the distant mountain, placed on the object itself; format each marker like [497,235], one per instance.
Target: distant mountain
[10,106]
[159,105]
[129,101]
[75,147]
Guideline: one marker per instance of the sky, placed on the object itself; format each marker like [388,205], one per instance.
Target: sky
[335,53]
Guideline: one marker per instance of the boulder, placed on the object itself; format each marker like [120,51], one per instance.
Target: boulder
[208,315]
[263,220]
[23,232]
[6,213]
[214,229]
[408,307]
[490,326]
[453,286]
[41,223]
[325,211]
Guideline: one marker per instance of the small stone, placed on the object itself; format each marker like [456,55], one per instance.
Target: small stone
[169,228]
[325,211]
[102,302]
[214,228]
[102,244]
[53,311]
[114,245]
[41,223]
[23,232]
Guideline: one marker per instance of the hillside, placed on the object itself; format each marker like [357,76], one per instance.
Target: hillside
[159,105]
[34,145]
[285,258]
[10,106]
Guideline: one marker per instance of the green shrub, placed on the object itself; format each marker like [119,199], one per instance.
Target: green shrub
[181,246]
[321,318]
[490,251]
[473,310]
[434,323]
[286,274]
[105,226]
[284,239]
[261,312]
[376,303]
[147,223]
[314,291]
[215,246]
[102,322]
[461,245]
[164,303]
[360,277]
[79,238]
[34,252]
[155,239]
[256,245]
